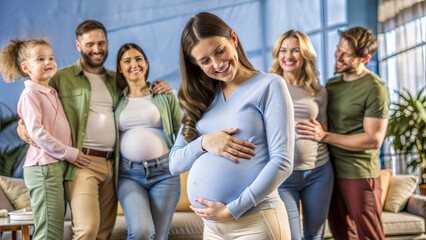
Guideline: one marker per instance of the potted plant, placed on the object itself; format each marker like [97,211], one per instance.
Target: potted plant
[407,129]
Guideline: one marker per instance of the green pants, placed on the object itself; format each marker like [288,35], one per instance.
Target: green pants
[45,184]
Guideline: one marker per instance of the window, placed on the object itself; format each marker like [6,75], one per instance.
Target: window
[402,62]
[319,19]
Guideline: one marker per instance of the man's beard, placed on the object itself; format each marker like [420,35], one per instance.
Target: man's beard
[92,64]
[346,69]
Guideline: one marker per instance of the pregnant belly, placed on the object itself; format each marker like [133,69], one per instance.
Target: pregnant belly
[219,179]
[139,144]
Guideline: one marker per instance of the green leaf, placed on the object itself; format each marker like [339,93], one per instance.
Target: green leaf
[11,154]
[420,93]
[7,121]
[407,97]
[421,110]
[413,164]
[11,157]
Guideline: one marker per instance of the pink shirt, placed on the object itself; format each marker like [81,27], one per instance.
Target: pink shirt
[47,125]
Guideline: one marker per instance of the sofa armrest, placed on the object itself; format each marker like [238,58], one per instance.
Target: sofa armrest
[417,205]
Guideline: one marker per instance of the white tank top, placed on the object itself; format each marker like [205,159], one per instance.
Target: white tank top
[141,130]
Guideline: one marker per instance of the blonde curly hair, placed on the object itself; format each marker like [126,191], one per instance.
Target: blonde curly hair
[15,53]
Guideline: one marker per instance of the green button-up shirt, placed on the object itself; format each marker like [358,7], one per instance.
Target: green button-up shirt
[74,91]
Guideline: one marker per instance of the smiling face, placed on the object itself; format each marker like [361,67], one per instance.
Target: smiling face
[290,56]
[93,46]
[40,65]
[133,65]
[346,61]
[217,57]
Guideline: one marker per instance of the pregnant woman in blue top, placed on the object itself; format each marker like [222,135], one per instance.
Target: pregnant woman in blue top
[237,136]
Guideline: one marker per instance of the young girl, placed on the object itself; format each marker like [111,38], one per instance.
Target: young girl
[41,110]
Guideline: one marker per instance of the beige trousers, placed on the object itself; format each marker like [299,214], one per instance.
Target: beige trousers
[93,200]
[269,224]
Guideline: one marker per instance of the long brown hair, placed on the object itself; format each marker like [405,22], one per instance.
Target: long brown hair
[197,90]
[309,73]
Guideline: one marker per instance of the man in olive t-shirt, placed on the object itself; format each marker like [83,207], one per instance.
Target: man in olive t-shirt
[358,108]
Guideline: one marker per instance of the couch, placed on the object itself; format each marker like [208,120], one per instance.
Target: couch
[403,216]
[186,225]
[404,212]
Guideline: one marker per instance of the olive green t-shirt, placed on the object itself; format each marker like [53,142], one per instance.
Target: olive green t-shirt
[348,103]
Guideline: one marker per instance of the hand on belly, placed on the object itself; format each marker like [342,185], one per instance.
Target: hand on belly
[216,178]
[216,211]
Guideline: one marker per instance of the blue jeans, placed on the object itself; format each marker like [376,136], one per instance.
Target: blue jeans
[148,194]
[313,188]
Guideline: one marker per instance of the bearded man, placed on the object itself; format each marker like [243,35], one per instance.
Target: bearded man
[357,113]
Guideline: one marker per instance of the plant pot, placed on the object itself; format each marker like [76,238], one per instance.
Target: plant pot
[422,188]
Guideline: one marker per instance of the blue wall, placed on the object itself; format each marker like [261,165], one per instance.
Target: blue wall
[156,26]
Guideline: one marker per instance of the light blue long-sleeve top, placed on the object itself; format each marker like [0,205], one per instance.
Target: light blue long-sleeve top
[262,109]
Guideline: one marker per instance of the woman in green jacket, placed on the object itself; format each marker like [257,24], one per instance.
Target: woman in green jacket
[147,125]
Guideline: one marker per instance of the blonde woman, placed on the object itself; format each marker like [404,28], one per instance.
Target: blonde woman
[311,182]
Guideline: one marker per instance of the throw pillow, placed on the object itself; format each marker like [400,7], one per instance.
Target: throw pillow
[183,204]
[16,192]
[400,189]
[5,203]
[417,205]
[385,176]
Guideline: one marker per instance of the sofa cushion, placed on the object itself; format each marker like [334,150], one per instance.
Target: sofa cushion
[186,226]
[400,189]
[183,204]
[4,201]
[16,192]
[402,223]
[385,176]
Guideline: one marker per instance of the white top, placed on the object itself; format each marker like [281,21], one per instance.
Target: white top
[101,116]
[142,136]
[309,154]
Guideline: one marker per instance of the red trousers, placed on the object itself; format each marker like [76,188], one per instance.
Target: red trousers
[355,209]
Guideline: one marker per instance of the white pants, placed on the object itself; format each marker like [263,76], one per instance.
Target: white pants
[269,224]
